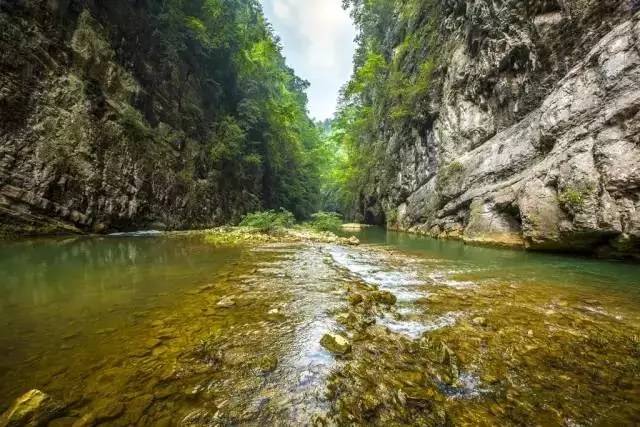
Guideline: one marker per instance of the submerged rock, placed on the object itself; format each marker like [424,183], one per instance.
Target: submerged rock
[385,297]
[335,343]
[479,321]
[197,418]
[206,288]
[34,408]
[268,364]
[355,299]
[226,302]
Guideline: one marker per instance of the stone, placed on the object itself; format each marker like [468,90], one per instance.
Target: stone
[108,411]
[197,418]
[34,408]
[353,241]
[355,298]
[206,288]
[226,302]
[345,318]
[62,422]
[152,343]
[268,364]
[87,420]
[479,321]
[336,344]
[385,297]
[354,227]
[136,409]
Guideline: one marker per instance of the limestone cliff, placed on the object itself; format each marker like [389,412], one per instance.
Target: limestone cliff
[529,133]
[127,114]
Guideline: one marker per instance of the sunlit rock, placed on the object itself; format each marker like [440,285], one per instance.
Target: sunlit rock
[226,302]
[336,344]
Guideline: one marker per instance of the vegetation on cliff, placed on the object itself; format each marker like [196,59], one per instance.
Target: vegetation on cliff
[390,84]
[460,121]
[180,113]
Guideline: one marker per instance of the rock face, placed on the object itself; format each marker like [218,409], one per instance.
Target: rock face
[531,135]
[116,115]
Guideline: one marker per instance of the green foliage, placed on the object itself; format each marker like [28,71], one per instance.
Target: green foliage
[326,221]
[365,76]
[392,216]
[390,87]
[256,146]
[269,221]
[134,125]
[574,197]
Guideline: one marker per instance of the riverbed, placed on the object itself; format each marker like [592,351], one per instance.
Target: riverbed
[152,330]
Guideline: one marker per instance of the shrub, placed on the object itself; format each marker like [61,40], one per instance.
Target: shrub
[326,221]
[573,197]
[269,221]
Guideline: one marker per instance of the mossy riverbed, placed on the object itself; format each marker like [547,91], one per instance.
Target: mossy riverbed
[223,330]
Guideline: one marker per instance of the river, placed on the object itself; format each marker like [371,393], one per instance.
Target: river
[152,330]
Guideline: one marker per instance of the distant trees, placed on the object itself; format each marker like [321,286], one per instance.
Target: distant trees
[391,80]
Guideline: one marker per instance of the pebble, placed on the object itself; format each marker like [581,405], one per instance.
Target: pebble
[226,302]
[479,321]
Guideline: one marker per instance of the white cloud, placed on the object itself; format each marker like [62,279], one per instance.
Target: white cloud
[317,37]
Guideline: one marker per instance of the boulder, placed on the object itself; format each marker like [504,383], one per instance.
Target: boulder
[355,299]
[268,364]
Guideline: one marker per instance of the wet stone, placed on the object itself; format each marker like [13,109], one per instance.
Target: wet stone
[103,413]
[479,321]
[226,302]
[152,343]
[63,422]
[355,299]
[385,297]
[206,288]
[336,344]
[268,364]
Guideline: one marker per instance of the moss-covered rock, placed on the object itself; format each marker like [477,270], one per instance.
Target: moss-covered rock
[335,343]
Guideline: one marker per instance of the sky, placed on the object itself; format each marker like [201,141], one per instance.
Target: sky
[318,41]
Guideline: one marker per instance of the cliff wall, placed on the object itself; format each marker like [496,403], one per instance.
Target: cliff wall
[528,132]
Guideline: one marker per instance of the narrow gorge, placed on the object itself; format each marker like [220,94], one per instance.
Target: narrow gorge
[319,213]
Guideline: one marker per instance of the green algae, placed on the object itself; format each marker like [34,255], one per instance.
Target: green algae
[127,331]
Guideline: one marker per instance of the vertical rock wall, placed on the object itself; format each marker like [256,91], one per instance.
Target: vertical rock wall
[531,137]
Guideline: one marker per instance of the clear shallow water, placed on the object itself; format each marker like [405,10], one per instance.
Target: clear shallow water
[141,328]
[457,259]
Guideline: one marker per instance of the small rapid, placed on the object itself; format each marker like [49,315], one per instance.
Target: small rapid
[168,331]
